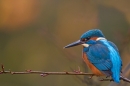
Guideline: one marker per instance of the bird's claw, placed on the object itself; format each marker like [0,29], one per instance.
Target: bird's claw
[107,76]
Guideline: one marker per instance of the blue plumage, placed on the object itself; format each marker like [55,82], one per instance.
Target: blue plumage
[103,54]
[116,62]
[93,33]
[105,57]
[100,53]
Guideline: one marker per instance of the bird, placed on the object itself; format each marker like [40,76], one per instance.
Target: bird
[100,55]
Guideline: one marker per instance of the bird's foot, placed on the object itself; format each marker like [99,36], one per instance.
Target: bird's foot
[78,71]
[107,76]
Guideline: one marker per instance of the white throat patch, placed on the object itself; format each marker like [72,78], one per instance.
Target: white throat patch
[85,45]
[100,38]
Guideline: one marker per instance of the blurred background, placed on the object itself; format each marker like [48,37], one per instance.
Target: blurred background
[34,32]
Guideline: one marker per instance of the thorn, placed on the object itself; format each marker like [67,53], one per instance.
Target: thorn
[28,71]
[78,71]
[43,75]
[67,73]
[2,66]
[12,73]
[78,68]
[91,77]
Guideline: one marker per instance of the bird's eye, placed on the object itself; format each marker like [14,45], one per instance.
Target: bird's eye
[85,39]
[88,38]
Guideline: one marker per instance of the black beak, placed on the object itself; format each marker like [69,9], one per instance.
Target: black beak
[74,44]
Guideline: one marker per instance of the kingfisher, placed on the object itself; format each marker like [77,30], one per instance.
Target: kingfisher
[101,56]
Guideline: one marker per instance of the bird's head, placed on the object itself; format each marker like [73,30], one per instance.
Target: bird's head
[94,34]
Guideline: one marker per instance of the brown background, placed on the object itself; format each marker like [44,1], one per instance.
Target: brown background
[34,32]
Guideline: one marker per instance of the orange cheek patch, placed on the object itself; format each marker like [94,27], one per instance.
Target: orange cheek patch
[93,38]
[91,66]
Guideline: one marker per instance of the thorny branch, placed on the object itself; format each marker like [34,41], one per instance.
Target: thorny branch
[43,74]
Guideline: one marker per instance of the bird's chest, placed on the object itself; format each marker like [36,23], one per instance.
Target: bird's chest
[91,66]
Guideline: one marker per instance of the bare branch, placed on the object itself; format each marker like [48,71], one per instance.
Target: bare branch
[48,73]
[42,73]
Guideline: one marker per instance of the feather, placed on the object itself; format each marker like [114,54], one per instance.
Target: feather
[104,56]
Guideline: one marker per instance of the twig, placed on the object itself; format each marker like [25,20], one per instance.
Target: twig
[48,73]
[43,73]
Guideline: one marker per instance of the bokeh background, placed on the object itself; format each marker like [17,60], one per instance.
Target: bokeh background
[34,32]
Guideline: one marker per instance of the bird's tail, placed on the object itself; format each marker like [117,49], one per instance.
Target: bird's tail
[124,78]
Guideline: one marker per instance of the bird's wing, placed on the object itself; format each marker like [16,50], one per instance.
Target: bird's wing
[106,58]
[98,55]
[113,45]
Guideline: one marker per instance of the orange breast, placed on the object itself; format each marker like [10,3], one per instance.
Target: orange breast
[91,66]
